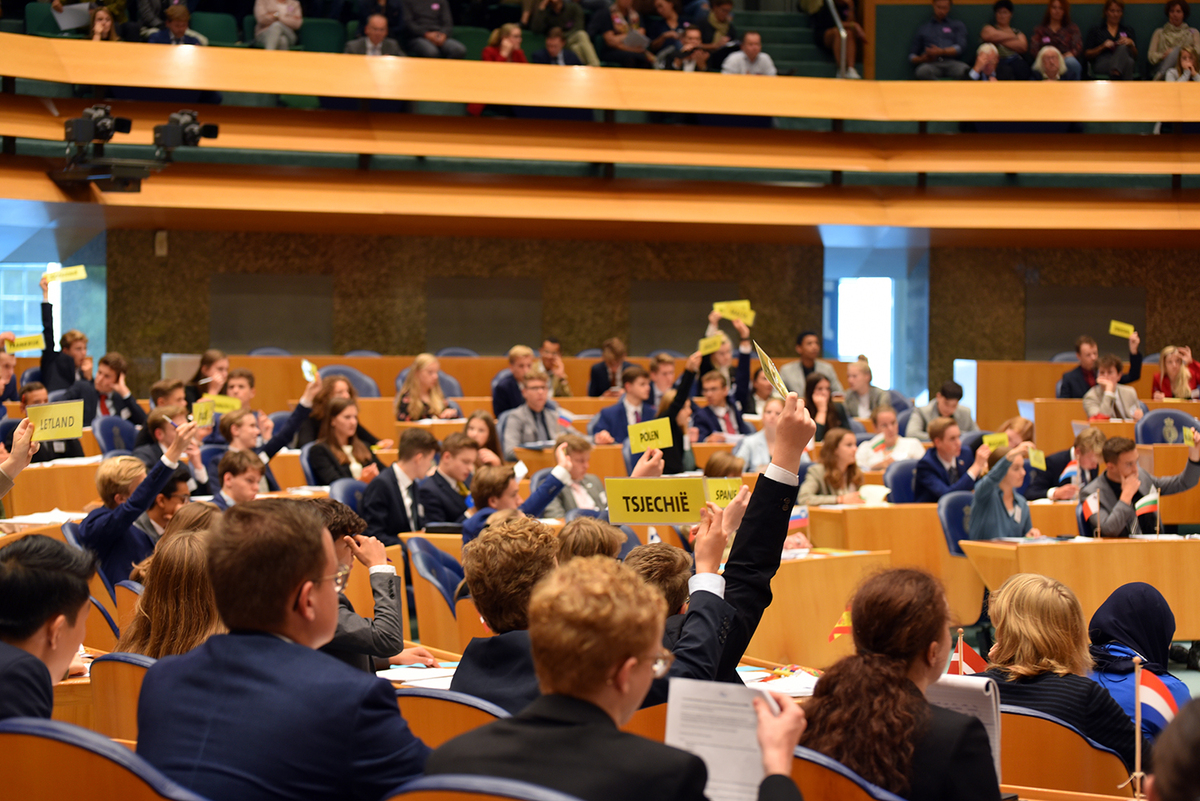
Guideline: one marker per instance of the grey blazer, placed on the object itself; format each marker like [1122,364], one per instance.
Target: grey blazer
[922,416]
[521,426]
[1118,519]
[792,374]
[875,396]
[1095,402]
[565,501]
[358,639]
[359,47]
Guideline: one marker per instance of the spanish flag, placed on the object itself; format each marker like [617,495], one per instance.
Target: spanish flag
[842,626]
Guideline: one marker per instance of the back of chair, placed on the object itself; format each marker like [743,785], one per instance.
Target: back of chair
[454,350]
[856,425]
[115,433]
[590,353]
[899,403]
[449,384]
[269,350]
[1079,764]
[470,624]
[823,779]
[278,419]
[116,684]
[971,441]
[57,394]
[102,632]
[500,376]
[902,420]
[70,531]
[363,384]
[363,351]
[1163,426]
[440,715]
[628,455]
[103,592]
[901,477]
[348,491]
[803,470]
[537,478]
[436,576]
[1064,356]
[30,375]
[7,427]
[462,787]
[501,422]
[48,759]
[953,509]
[126,595]
[211,455]
[862,436]
[305,449]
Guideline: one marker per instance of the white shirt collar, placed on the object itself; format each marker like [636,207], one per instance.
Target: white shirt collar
[401,477]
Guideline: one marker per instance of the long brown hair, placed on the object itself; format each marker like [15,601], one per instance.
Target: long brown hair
[325,395]
[415,409]
[190,516]
[833,414]
[1066,18]
[210,357]
[177,610]
[362,453]
[493,440]
[865,711]
[833,476]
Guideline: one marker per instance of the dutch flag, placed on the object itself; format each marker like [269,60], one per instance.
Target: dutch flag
[1070,472]
[1158,705]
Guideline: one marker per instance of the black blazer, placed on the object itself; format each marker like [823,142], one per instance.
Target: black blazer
[441,501]
[152,453]
[52,449]
[382,506]
[543,57]
[1075,383]
[1044,480]
[598,380]
[673,456]
[953,760]
[506,395]
[26,690]
[572,746]
[932,481]
[126,408]
[58,368]
[325,466]
[311,427]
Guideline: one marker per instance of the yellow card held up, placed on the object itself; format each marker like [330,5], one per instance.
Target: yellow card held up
[203,412]
[76,273]
[1037,459]
[34,342]
[721,491]
[735,310]
[711,344]
[223,404]
[654,433]
[63,420]
[654,500]
[1189,436]
[309,369]
[994,441]
[768,367]
[1119,329]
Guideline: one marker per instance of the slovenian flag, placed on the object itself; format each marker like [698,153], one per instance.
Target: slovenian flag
[1147,504]
[799,518]
[971,662]
[842,626]
[1158,705]
[1070,472]
[1091,505]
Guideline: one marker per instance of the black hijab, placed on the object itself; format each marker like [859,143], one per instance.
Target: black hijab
[1137,616]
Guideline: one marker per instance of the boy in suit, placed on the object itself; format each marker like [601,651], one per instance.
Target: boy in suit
[943,468]
[634,407]
[444,494]
[61,368]
[494,488]
[43,617]
[392,502]
[240,385]
[240,429]
[239,475]
[175,28]
[233,718]
[506,394]
[584,490]
[108,395]
[1124,483]
[535,420]
[34,394]
[946,403]
[1067,471]
[160,428]
[127,491]
[723,414]
[1077,382]
[605,375]
[1110,398]
[166,503]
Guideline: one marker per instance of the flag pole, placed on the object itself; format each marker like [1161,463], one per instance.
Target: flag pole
[1137,728]
[959,649]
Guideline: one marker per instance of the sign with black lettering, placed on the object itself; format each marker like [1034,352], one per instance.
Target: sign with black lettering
[654,433]
[62,420]
[722,491]
[654,500]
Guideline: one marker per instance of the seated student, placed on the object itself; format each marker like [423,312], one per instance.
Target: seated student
[34,394]
[869,710]
[334,386]
[1173,380]
[676,406]
[127,491]
[1135,620]
[1123,486]
[606,375]
[723,414]
[481,427]
[506,394]
[662,377]
[43,617]
[755,450]
[366,643]
[494,489]
[240,430]
[946,403]
[61,368]
[420,397]
[612,426]
[444,494]
[596,631]
[209,378]
[429,26]
[198,515]
[1040,660]
[795,374]
[167,392]
[939,45]
[153,522]
[239,475]
[161,427]
[944,468]
[827,413]
[338,453]
[215,719]
[177,610]
[535,420]
[862,397]
[585,537]
[550,354]
[391,503]
[8,379]
[1109,398]
[722,360]
[583,490]
[109,395]
[1077,382]
[1067,471]
[761,391]
[835,478]
[723,464]
[239,384]
[1018,430]
[998,509]
[174,29]
[887,445]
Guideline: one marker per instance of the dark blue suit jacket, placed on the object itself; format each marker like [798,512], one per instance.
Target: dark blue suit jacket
[58,368]
[705,420]
[569,58]
[1044,480]
[253,717]
[382,506]
[507,395]
[219,500]
[598,380]
[612,419]
[534,505]
[25,687]
[1075,383]
[933,481]
[126,408]
[442,502]
[163,36]
[111,532]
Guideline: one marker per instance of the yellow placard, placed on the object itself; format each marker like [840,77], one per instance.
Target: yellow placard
[309,369]
[62,420]
[76,273]
[768,367]
[34,342]
[735,310]
[202,413]
[1037,459]
[711,344]
[722,491]
[1119,329]
[1189,436]
[654,500]
[654,433]
[223,404]
[994,441]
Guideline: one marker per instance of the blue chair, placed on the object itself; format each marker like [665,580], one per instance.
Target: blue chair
[113,432]
[116,680]
[279,418]
[372,353]
[305,466]
[269,351]
[117,452]
[349,491]
[1065,356]
[632,540]
[862,436]
[105,616]
[901,478]
[902,420]
[953,508]
[856,426]
[627,453]
[32,374]
[7,426]
[449,384]
[454,785]
[813,767]
[456,351]
[211,455]
[435,578]
[500,376]
[80,758]
[590,353]
[1163,426]
[70,532]
[802,471]
[971,441]
[674,354]
[56,395]
[1153,358]
[363,384]
[537,478]
[899,403]
[574,513]
[1058,388]
[502,421]
[437,566]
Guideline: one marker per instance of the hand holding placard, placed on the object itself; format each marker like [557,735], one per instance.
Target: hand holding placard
[76,273]
[995,441]
[722,491]
[710,345]
[23,449]
[203,412]
[1037,459]
[654,500]
[768,367]
[1119,329]
[18,344]
[223,404]
[309,369]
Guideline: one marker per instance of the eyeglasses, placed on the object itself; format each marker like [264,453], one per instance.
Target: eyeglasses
[662,663]
[339,578]
[182,497]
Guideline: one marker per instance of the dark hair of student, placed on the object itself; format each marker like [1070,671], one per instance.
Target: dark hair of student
[40,579]
[833,418]
[493,440]
[208,359]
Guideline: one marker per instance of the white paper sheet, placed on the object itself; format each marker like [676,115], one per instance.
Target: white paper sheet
[413,674]
[977,696]
[716,722]
[873,494]
[55,517]
[72,16]
[798,685]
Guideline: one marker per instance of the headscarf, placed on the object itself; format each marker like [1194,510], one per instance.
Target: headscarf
[1137,616]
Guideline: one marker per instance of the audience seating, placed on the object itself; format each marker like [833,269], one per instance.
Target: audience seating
[211,455]
[454,350]
[470,624]
[57,394]
[47,759]
[455,787]
[856,426]
[971,441]
[268,350]
[363,384]
[116,684]
[1152,358]
[1066,357]
[39,21]
[221,29]
[125,596]
[862,436]
[113,433]
[358,588]
[7,426]
[70,532]
[279,418]
[537,478]
[348,491]
[900,477]
[436,575]
[502,420]
[370,353]
[626,452]
[1153,427]
[103,592]
[102,632]
[440,715]
[1080,765]
[590,353]
[823,779]
[322,35]
[902,419]
[309,478]
[953,508]
[899,403]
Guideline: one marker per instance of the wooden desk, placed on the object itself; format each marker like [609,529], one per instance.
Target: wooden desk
[703,451]
[606,462]
[809,598]
[1112,428]
[873,477]
[73,702]
[45,486]
[1094,569]
[1052,422]
[1169,460]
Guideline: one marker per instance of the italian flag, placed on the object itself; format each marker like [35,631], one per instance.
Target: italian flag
[1147,504]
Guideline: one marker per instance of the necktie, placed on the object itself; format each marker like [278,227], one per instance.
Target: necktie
[462,489]
[543,433]
[729,429]
[104,405]
[583,500]
[417,522]
[953,471]
[637,415]
[1117,405]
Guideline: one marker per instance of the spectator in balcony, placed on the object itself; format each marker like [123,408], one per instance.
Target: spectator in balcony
[375,40]
[624,38]
[556,52]
[1185,70]
[825,33]
[278,21]
[718,32]
[429,28]
[503,45]
[691,55]
[1110,46]
[175,30]
[392,11]
[102,28]
[1011,44]
[1059,32]
[1171,38]
[1051,65]
[750,60]
[667,29]
[939,45]
[567,16]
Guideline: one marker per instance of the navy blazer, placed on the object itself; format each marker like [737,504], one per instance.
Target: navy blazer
[534,505]
[933,481]
[26,690]
[613,420]
[125,408]
[506,395]
[1044,480]
[111,533]
[441,500]
[382,506]
[1075,383]
[250,716]
[219,500]
[706,420]
[163,36]
[280,440]
[152,452]
[58,368]
[598,379]
[569,58]
[9,393]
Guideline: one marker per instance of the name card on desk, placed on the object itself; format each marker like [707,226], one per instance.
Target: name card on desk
[202,413]
[654,500]
[654,433]
[34,342]
[76,273]
[63,420]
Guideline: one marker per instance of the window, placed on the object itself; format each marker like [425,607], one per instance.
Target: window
[21,298]
[864,324]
